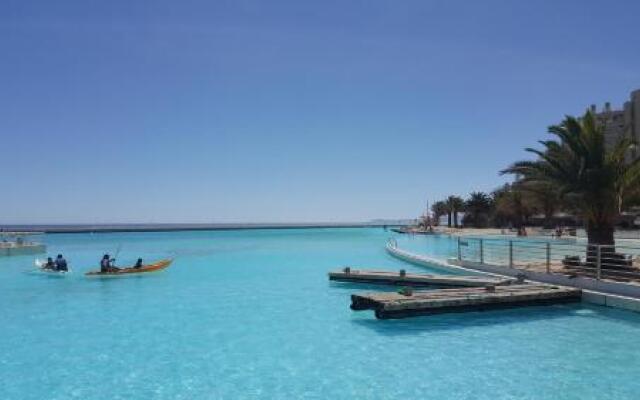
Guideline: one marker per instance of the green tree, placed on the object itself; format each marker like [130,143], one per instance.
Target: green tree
[478,207]
[512,206]
[544,199]
[586,172]
[455,204]
[439,208]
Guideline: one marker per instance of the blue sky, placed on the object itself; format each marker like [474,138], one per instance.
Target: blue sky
[201,111]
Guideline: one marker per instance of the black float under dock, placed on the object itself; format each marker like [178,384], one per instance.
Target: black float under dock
[409,279]
[427,302]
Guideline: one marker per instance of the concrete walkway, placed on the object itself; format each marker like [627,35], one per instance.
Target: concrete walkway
[613,294]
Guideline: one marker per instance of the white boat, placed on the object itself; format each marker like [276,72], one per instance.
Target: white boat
[46,271]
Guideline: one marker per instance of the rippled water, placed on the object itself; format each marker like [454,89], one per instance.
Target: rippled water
[251,315]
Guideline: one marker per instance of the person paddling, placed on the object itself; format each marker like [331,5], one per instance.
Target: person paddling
[138,264]
[49,264]
[106,264]
[61,264]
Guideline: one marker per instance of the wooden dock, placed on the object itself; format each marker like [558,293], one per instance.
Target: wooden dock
[411,279]
[19,249]
[427,302]
[405,230]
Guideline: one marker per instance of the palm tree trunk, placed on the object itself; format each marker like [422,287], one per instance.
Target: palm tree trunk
[600,234]
[455,218]
[449,219]
[548,218]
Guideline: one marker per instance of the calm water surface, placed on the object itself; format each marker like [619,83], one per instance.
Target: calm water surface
[251,315]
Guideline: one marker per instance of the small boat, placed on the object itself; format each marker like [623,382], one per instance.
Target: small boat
[50,272]
[156,266]
[46,271]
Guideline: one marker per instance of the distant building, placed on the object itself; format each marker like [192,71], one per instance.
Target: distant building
[619,123]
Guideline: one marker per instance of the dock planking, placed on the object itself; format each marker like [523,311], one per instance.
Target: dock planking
[427,302]
[411,279]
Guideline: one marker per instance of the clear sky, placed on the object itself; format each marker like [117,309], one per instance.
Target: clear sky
[243,111]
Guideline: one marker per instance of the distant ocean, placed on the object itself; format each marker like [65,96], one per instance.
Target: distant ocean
[85,228]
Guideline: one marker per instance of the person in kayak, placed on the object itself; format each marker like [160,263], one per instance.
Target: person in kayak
[49,264]
[61,264]
[138,264]
[106,264]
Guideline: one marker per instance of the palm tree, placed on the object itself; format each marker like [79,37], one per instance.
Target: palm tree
[439,208]
[449,213]
[512,205]
[545,199]
[455,205]
[478,207]
[586,172]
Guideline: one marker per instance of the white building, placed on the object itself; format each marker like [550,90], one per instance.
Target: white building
[618,123]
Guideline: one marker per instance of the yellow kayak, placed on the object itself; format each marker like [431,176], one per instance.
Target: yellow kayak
[156,266]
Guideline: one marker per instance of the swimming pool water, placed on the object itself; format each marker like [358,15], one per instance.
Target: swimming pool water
[251,315]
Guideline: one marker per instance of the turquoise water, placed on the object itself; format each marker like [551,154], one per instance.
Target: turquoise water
[251,315]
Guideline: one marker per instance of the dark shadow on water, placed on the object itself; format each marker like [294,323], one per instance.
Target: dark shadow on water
[367,287]
[113,280]
[353,287]
[474,319]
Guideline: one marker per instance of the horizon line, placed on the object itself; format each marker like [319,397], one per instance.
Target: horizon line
[160,227]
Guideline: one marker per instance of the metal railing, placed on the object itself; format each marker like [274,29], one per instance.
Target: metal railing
[619,262]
